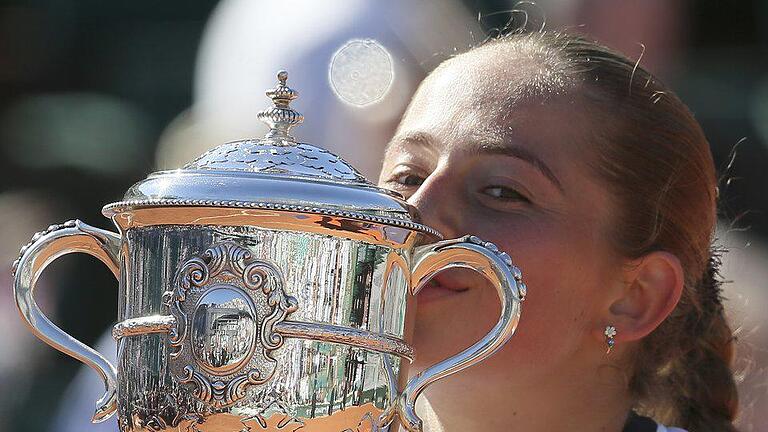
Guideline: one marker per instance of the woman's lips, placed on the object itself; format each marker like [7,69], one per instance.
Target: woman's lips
[436,289]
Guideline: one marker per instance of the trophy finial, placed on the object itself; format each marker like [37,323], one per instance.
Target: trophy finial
[282,76]
[281,117]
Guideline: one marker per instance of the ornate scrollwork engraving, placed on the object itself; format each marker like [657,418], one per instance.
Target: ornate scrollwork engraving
[276,157]
[226,305]
[366,424]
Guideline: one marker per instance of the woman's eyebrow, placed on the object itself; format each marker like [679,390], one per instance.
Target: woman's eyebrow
[418,138]
[518,152]
[484,144]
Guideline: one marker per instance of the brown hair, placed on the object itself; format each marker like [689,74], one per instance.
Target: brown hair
[656,163]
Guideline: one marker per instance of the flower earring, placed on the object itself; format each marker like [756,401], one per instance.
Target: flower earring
[610,333]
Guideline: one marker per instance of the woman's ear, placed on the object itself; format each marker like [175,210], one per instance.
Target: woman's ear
[653,287]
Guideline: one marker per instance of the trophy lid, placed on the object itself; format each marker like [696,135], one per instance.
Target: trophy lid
[272,173]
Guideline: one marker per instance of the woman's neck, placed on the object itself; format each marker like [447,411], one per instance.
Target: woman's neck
[475,401]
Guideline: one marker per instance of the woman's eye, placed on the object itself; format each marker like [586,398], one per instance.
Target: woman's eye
[408,180]
[504,194]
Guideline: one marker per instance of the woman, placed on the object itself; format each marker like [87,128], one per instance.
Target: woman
[601,185]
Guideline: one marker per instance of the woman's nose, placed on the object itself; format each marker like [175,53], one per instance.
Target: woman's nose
[436,200]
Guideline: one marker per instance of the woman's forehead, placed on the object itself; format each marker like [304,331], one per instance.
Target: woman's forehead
[460,111]
[451,98]
[465,81]
[488,85]
[555,125]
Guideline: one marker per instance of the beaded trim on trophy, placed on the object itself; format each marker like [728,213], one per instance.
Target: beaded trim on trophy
[402,223]
[516,273]
[36,237]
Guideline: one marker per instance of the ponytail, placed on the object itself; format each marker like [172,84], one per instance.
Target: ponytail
[695,389]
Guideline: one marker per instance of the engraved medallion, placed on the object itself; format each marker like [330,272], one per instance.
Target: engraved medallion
[226,304]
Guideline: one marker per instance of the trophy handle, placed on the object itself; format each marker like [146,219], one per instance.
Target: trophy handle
[484,258]
[45,247]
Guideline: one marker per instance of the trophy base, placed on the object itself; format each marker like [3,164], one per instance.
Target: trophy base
[352,419]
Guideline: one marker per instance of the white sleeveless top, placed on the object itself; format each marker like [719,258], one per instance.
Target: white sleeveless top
[662,428]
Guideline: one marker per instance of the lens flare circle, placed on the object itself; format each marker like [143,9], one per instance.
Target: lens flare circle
[361,72]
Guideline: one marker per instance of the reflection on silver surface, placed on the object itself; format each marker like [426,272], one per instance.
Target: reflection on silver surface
[224,327]
[335,281]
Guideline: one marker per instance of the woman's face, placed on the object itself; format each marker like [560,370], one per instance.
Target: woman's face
[514,173]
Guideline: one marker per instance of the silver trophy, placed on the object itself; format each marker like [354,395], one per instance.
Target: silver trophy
[265,286]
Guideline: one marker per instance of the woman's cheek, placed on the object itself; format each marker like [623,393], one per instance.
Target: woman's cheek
[553,315]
